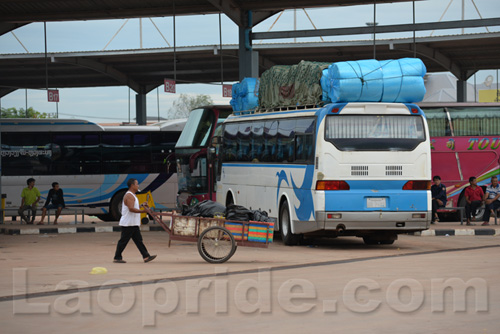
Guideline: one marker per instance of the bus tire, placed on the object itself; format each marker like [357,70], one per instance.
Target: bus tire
[115,205]
[289,239]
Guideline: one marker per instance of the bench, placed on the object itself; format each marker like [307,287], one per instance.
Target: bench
[74,210]
[454,208]
[13,212]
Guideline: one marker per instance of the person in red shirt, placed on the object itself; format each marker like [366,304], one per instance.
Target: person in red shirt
[473,198]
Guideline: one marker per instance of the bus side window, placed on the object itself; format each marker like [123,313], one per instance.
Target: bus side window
[270,135]
[230,145]
[304,140]
[285,140]
[244,142]
[257,138]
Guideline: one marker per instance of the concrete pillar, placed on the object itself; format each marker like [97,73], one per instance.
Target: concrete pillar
[248,59]
[461,90]
[140,109]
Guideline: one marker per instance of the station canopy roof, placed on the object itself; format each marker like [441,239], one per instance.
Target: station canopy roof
[14,13]
[145,69]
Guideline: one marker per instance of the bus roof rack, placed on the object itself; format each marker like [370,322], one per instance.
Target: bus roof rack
[276,109]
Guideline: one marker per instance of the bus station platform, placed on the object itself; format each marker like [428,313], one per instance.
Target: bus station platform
[94,225]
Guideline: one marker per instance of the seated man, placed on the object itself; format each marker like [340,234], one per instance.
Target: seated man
[438,191]
[492,199]
[55,200]
[473,198]
[30,198]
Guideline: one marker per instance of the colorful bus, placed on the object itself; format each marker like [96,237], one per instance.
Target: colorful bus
[465,141]
[91,163]
[196,175]
[346,169]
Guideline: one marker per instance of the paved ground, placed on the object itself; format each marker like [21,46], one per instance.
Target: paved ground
[336,285]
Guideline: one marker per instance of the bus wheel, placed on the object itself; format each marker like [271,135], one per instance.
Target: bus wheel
[287,236]
[115,207]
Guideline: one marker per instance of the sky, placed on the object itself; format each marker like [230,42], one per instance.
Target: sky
[112,104]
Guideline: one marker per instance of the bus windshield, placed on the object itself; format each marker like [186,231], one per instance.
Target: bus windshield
[375,133]
[197,129]
[192,177]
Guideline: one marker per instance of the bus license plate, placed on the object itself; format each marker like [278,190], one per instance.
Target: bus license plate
[376,202]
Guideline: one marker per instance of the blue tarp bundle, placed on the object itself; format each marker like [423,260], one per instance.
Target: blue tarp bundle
[399,80]
[245,95]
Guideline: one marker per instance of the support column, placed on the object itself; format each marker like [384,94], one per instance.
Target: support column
[461,90]
[248,59]
[140,109]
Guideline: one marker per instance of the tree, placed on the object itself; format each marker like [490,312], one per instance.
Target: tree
[21,113]
[185,103]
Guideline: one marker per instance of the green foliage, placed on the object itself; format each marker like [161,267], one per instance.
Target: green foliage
[21,113]
[185,103]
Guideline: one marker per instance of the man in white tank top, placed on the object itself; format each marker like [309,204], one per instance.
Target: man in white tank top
[130,223]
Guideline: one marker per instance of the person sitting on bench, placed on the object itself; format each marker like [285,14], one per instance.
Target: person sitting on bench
[491,199]
[473,198]
[438,191]
[55,200]
[30,198]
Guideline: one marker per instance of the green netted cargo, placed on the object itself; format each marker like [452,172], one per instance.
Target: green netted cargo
[293,85]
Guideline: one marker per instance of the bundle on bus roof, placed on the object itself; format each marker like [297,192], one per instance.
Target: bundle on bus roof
[370,80]
[245,94]
[315,84]
[291,85]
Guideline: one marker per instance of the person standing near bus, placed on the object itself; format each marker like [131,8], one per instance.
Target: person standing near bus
[438,191]
[474,198]
[55,200]
[130,223]
[491,199]
[30,198]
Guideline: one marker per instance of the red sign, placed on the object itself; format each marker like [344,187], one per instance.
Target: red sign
[227,90]
[53,95]
[169,86]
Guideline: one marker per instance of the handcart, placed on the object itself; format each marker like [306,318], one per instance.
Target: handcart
[217,238]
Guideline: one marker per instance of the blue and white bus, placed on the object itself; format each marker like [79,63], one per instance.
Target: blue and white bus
[346,169]
[91,163]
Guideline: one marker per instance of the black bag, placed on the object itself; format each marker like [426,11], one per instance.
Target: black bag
[238,212]
[206,208]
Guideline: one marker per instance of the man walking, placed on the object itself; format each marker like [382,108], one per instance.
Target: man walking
[491,199]
[30,198]
[130,223]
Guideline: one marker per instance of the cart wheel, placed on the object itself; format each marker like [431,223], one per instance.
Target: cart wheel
[216,244]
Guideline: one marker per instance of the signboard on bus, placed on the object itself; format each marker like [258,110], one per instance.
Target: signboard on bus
[227,90]
[53,95]
[169,86]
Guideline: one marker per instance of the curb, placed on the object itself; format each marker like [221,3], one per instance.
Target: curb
[458,231]
[70,230]
[156,228]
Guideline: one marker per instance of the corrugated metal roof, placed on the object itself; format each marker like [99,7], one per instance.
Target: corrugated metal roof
[145,69]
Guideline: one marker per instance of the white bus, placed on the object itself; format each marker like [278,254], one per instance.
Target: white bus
[91,163]
[352,169]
